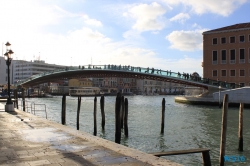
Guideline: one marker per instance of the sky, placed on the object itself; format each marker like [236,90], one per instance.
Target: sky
[164,34]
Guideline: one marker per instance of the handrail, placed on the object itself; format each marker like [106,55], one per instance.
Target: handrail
[34,104]
[164,73]
[26,106]
[204,151]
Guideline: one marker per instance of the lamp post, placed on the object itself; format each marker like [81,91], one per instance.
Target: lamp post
[219,97]
[9,105]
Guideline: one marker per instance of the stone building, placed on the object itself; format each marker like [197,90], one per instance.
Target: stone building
[226,54]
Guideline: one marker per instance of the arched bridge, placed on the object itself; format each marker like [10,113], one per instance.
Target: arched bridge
[91,71]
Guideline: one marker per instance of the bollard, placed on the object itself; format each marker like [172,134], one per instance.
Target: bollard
[95,127]
[122,111]
[102,112]
[117,119]
[126,117]
[64,109]
[23,98]
[223,130]
[15,98]
[163,116]
[78,112]
[240,133]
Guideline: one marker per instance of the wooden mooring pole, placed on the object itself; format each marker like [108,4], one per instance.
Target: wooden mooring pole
[240,133]
[122,111]
[163,116]
[126,118]
[23,98]
[95,126]
[78,112]
[102,111]
[64,109]
[118,119]
[223,129]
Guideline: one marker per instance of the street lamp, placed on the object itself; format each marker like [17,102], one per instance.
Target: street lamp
[9,105]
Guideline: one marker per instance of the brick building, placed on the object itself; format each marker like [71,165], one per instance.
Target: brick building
[226,54]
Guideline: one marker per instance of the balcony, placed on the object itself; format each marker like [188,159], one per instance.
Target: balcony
[242,60]
[223,61]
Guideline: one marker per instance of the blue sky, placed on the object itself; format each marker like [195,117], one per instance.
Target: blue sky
[164,34]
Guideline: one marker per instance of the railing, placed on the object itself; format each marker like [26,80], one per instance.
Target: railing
[33,108]
[242,60]
[163,73]
[26,105]
[205,154]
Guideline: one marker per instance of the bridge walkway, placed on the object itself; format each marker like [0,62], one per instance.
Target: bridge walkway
[28,140]
[152,73]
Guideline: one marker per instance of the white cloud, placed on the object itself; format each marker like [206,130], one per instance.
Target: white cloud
[90,21]
[222,7]
[181,17]
[186,40]
[148,17]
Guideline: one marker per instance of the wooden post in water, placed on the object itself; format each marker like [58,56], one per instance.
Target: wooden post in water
[78,112]
[102,111]
[163,115]
[122,111]
[118,119]
[223,129]
[126,117]
[23,97]
[95,126]
[240,133]
[64,109]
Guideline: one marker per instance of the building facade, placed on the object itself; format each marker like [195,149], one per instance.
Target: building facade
[226,54]
[24,69]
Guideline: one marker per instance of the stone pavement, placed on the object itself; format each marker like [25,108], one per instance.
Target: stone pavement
[28,140]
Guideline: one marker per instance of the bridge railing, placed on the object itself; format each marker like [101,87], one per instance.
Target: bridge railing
[166,73]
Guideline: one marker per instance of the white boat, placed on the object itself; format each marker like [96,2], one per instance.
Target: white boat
[85,91]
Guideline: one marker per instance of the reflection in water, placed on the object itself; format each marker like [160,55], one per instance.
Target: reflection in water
[186,126]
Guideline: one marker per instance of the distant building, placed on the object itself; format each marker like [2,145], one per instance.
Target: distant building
[226,54]
[24,69]
[80,82]
[4,71]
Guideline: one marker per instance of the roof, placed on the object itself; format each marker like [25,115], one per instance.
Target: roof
[241,26]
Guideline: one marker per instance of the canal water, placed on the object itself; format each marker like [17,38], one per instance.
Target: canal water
[186,126]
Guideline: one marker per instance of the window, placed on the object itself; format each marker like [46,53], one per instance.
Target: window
[242,38]
[223,40]
[242,84]
[232,39]
[249,55]
[242,73]
[214,73]
[223,73]
[214,40]
[242,55]
[232,56]
[214,57]
[232,73]
[223,57]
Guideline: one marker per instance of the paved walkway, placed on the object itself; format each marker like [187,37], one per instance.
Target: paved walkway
[27,140]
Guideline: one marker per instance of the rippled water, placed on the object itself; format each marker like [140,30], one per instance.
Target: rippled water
[186,126]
